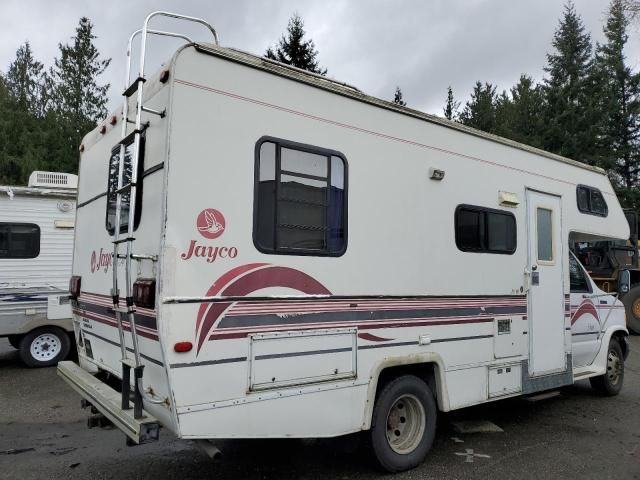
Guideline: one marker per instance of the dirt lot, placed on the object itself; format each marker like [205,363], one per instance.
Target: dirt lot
[43,434]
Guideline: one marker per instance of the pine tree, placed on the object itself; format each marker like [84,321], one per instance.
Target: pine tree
[25,80]
[450,108]
[398,99]
[78,99]
[518,116]
[619,106]
[480,111]
[294,50]
[570,115]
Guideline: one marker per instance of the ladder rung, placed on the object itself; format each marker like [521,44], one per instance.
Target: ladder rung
[123,240]
[134,86]
[126,187]
[131,136]
[129,362]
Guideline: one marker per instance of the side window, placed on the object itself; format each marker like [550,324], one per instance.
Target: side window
[591,201]
[112,186]
[577,278]
[300,199]
[485,230]
[19,240]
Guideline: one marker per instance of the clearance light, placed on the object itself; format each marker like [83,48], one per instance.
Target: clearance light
[81,147]
[144,292]
[113,120]
[183,347]
[74,286]
[164,76]
[103,129]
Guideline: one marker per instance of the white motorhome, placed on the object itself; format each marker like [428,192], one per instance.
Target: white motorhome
[36,243]
[264,252]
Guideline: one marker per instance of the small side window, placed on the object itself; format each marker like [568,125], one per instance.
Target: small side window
[485,230]
[300,199]
[545,234]
[19,240]
[112,186]
[591,201]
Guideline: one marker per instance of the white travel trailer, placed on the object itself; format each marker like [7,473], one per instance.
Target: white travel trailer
[276,254]
[36,244]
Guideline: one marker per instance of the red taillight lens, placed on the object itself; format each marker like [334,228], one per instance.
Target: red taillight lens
[74,286]
[144,292]
[182,347]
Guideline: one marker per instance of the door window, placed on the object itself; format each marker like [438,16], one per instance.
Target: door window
[545,235]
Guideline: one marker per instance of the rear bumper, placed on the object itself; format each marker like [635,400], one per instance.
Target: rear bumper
[107,401]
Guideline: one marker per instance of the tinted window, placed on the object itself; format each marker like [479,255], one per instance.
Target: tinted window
[480,229]
[590,200]
[577,278]
[19,240]
[126,194]
[545,235]
[300,204]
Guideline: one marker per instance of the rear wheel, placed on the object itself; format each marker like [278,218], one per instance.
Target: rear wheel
[611,382]
[404,424]
[632,307]
[44,347]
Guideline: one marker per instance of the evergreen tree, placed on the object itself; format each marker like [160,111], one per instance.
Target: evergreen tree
[79,100]
[450,109]
[570,115]
[294,50]
[480,111]
[397,98]
[25,80]
[619,102]
[518,116]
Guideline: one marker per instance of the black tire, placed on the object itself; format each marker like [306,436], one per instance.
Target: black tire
[404,394]
[633,314]
[50,345]
[611,382]
[14,341]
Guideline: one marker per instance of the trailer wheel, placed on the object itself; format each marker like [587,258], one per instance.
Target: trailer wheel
[610,383]
[14,341]
[404,424]
[632,307]
[44,347]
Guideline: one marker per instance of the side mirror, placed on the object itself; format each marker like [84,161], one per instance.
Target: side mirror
[624,281]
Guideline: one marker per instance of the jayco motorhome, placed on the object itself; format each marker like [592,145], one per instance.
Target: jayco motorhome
[36,243]
[265,252]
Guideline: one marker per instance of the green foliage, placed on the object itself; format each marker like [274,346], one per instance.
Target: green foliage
[44,115]
[294,50]
[397,97]
[480,111]
[519,116]
[451,106]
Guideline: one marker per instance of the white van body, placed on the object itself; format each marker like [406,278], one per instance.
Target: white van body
[294,345]
[35,268]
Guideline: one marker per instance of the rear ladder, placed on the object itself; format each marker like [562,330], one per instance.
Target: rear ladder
[129,189]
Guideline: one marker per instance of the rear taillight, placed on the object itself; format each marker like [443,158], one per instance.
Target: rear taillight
[144,292]
[74,286]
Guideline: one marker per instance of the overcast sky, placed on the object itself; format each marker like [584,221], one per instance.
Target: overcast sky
[421,45]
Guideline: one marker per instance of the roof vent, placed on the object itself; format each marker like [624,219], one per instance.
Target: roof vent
[53,180]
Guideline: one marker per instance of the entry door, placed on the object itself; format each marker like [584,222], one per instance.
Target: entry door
[546,293]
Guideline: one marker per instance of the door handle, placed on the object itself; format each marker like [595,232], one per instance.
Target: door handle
[534,268]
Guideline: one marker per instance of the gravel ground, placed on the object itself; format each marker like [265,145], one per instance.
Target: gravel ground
[577,435]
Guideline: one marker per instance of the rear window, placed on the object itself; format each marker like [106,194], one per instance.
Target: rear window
[19,240]
[591,201]
[112,186]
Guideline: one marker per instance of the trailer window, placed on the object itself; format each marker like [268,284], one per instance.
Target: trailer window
[485,230]
[544,228]
[300,201]
[591,201]
[19,240]
[126,179]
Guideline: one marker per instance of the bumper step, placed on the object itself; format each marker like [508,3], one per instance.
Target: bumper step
[108,401]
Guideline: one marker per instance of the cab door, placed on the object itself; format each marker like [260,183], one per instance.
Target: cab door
[585,315]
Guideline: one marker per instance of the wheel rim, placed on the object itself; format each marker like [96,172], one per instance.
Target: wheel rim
[406,422]
[614,367]
[636,308]
[45,347]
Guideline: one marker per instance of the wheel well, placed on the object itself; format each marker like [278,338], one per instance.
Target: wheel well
[621,338]
[424,371]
